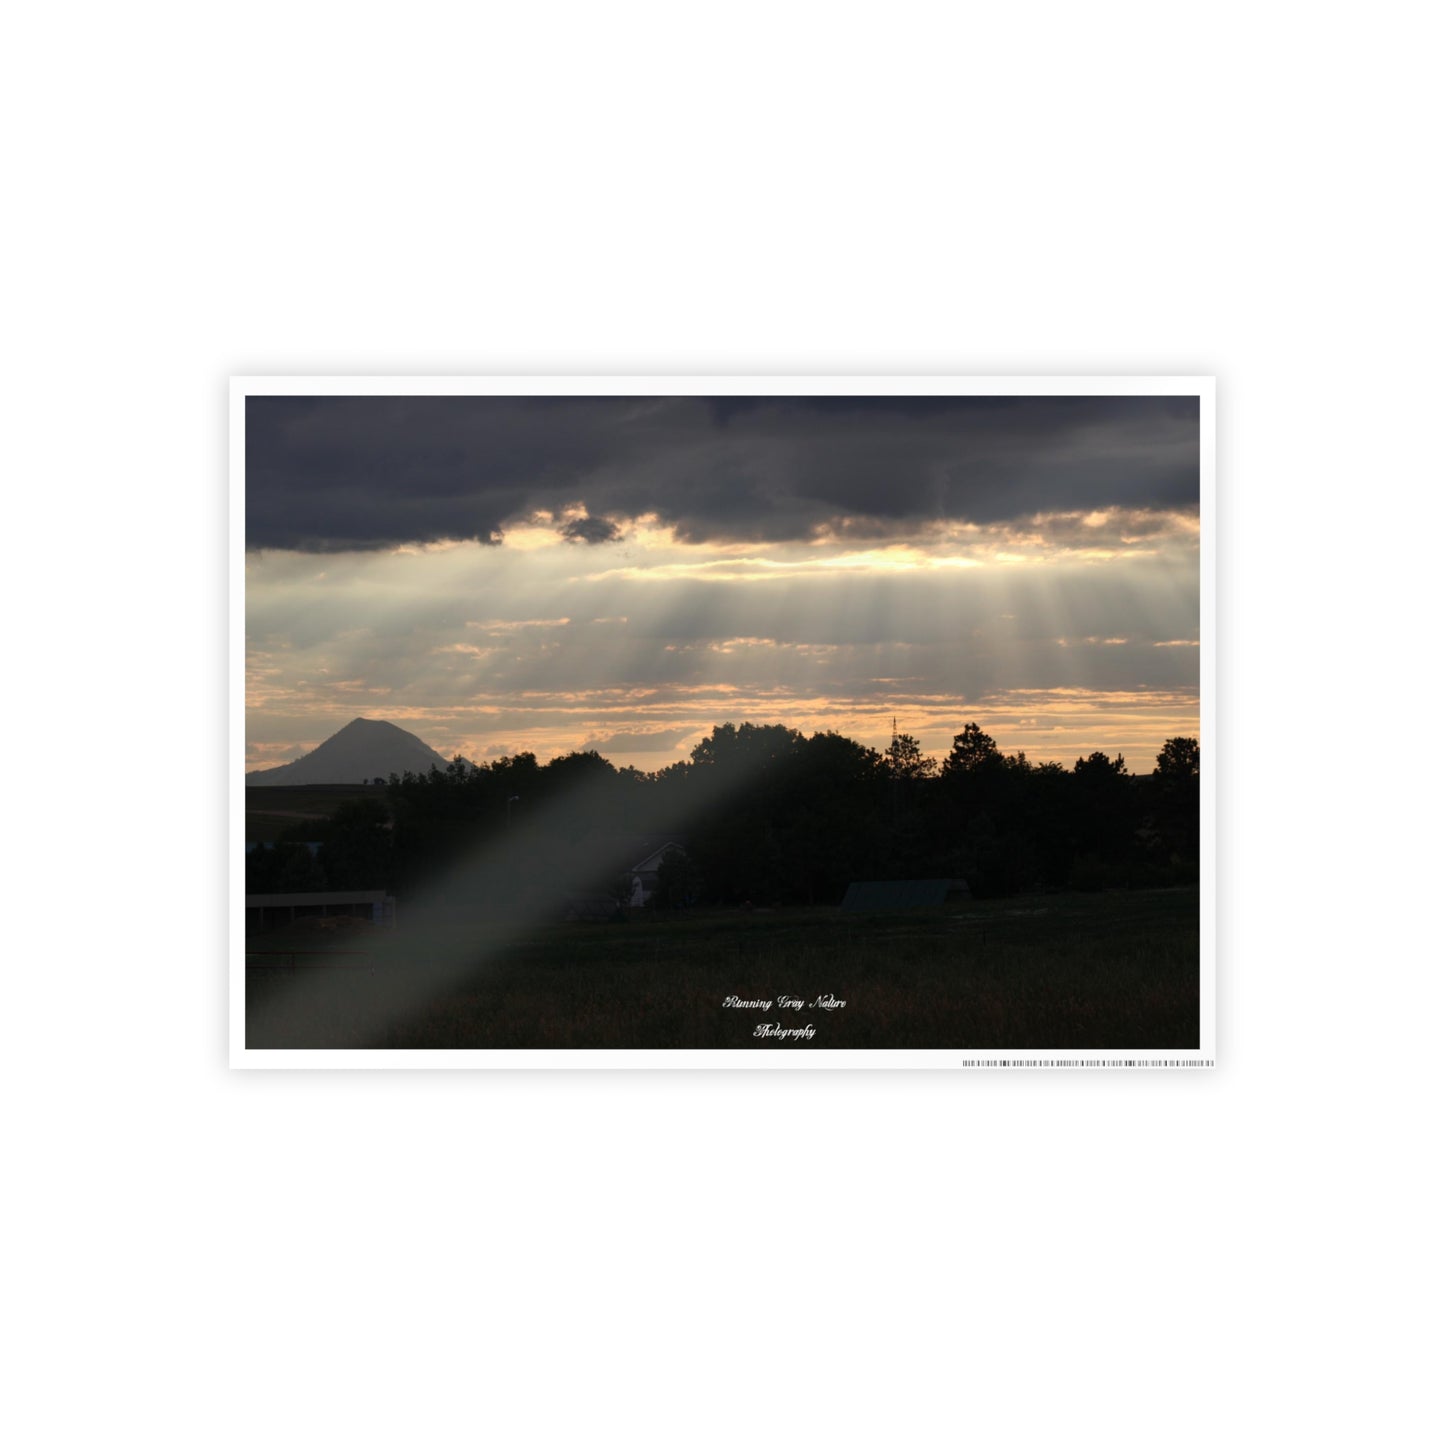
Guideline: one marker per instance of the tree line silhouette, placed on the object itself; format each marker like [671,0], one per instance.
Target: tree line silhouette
[766,816]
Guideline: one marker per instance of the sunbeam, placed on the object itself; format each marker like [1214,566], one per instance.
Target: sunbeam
[459,924]
[491,649]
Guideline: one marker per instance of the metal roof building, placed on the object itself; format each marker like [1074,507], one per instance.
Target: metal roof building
[901,893]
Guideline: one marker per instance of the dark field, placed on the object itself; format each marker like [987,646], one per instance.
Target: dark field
[272,810]
[1069,971]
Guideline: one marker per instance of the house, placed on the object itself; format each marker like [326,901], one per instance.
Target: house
[644,872]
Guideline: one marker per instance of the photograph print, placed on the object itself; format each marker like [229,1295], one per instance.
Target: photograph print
[739,722]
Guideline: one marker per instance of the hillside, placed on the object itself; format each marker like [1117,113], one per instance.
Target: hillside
[364,749]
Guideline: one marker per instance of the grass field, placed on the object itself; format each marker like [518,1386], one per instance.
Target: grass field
[1072,971]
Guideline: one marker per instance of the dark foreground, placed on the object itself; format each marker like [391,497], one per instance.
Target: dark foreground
[1076,971]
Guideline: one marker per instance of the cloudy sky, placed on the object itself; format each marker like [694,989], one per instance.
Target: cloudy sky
[540,574]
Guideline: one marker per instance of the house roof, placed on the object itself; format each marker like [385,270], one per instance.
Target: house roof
[633,850]
[655,855]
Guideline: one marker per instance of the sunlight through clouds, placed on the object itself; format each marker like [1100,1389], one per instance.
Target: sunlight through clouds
[656,566]
[465,641]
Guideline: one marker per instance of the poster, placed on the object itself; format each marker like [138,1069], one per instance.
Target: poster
[781,722]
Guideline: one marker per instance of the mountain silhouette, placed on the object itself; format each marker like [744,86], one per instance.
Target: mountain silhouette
[365,748]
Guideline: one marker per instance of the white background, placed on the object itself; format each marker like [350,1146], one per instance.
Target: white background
[1239,191]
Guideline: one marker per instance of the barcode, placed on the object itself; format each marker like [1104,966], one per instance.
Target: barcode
[1088,1063]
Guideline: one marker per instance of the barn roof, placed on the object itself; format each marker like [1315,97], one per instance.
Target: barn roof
[897,893]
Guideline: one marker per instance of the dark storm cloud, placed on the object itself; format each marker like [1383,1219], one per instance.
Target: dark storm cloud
[591,530]
[358,473]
